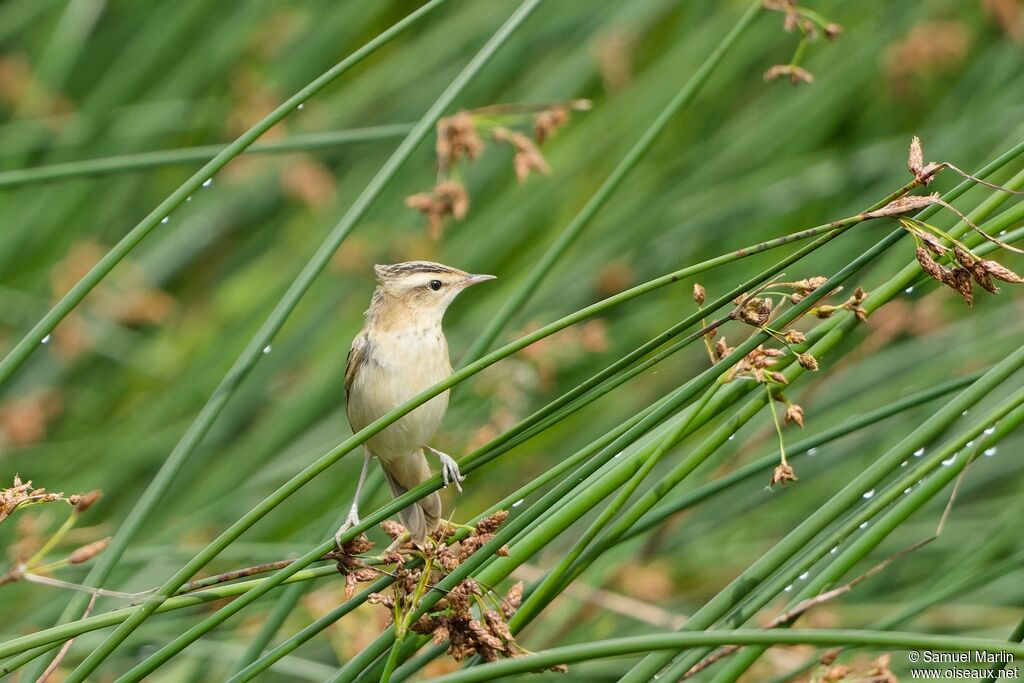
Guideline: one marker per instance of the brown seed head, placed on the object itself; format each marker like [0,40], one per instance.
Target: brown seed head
[722,349]
[392,528]
[488,525]
[795,415]
[796,74]
[699,294]
[87,552]
[783,474]
[548,121]
[807,361]
[84,501]
[527,158]
[1000,272]
[915,163]
[929,266]
[962,282]
[457,139]
[795,337]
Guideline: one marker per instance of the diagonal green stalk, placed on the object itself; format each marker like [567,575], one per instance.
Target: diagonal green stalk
[746,582]
[54,636]
[1008,414]
[681,100]
[1016,637]
[956,588]
[30,342]
[758,467]
[126,163]
[849,496]
[833,336]
[890,640]
[553,581]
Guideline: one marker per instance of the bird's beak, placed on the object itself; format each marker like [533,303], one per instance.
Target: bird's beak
[477,279]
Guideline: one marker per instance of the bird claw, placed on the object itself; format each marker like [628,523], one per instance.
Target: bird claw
[450,471]
[350,521]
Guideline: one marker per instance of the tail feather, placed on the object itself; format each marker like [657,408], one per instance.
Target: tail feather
[423,516]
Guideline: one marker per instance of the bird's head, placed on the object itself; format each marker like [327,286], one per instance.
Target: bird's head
[423,287]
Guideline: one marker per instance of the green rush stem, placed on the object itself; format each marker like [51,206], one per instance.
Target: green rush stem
[54,539]
[1008,414]
[479,457]
[15,663]
[55,635]
[832,337]
[676,641]
[778,428]
[758,467]
[272,623]
[30,342]
[125,163]
[801,50]
[682,99]
[551,583]
[293,643]
[848,497]
[956,588]
[1016,637]
[746,582]
[254,351]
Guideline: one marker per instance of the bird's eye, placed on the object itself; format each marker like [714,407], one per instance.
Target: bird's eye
[435,285]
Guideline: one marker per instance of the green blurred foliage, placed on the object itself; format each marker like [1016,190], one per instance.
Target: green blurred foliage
[106,399]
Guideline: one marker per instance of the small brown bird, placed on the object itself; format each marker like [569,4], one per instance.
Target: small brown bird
[400,352]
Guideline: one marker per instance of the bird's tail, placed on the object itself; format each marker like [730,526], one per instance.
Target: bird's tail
[423,516]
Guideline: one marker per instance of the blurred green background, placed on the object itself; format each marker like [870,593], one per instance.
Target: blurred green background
[103,403]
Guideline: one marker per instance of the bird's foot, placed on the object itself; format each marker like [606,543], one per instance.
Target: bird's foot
[350,521]
[450,473]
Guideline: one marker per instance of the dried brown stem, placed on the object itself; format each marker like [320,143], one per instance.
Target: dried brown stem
[965,219]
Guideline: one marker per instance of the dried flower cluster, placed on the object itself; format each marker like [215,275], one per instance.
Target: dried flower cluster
[811,26]
[970,269]
[459,139]
[470,618]
[22,494]
[757,310]
[33,543]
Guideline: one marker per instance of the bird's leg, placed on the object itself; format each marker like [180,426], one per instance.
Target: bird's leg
[353,514]
[450,473]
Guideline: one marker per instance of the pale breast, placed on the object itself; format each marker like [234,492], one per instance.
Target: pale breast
[398,366]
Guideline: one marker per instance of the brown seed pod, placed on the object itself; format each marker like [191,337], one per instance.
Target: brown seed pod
[795,415]
[963,283]
[699,294]
[1000,272]
[807,361]
[934,270]
[783,474]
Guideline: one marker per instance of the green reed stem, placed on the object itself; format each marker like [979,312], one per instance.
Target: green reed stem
[126,163]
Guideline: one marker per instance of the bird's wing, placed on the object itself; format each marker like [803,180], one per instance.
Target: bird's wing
[357,357]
